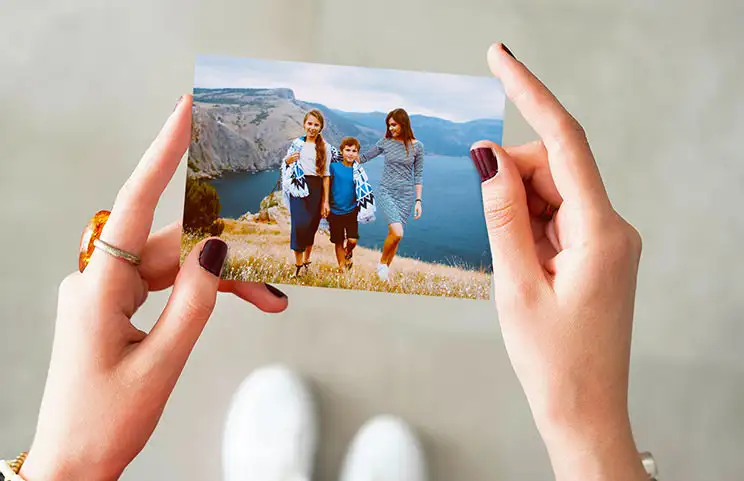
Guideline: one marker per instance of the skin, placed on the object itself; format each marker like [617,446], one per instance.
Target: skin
[350,154]
[564,287]
[312,130]
[108,382]
[564,291]
[395,229]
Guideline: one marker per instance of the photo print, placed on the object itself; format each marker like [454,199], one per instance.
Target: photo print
[341,177]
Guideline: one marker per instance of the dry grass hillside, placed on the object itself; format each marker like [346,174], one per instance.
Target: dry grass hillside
[259,251]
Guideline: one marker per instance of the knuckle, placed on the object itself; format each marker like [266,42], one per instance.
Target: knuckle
[568,132]
[635,240]
[192,305]
[568,126]
[623,239]
[500,213]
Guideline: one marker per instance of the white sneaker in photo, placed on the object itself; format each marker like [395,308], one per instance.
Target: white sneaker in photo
[384,449]
[383,271]
[271,429]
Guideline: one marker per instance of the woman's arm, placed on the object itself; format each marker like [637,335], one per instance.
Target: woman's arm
[372,152]
[418,167]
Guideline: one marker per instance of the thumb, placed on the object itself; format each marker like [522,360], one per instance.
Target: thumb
[189,306]
[516,269]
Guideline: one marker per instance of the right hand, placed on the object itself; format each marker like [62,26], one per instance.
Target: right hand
[564,286]
[293,158]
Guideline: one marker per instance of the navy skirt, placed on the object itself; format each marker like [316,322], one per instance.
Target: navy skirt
[305,214]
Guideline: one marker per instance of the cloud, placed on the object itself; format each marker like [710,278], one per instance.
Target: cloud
[359,89]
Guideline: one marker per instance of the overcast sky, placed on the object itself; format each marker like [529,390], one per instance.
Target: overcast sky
[358,89]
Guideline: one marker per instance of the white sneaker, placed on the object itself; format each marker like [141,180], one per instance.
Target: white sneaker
[271,429]
[384,449]
[383,271]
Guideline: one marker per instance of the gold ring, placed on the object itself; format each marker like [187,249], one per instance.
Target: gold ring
[90,240]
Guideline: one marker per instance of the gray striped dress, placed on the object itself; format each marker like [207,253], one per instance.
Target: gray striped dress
[401,172]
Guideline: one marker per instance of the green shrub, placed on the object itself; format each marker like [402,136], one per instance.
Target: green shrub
[216,228]
[201,208]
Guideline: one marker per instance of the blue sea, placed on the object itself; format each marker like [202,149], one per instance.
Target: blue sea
[451,230]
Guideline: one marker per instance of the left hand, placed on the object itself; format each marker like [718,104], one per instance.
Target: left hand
[108,382]
[326,209]
[417,211]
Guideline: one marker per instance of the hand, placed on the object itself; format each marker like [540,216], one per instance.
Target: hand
[293,158]
[325,210]
[108,382]
[564,286]
[417,211]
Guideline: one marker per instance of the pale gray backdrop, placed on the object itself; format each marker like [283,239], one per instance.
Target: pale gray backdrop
[85,87]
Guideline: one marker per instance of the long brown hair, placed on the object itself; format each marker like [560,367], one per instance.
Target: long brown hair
[320,148]
[406,132]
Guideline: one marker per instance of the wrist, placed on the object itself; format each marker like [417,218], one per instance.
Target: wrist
[593,450]
[43,468]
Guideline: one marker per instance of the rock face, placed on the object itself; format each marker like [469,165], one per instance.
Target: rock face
[249,130]
[273,211]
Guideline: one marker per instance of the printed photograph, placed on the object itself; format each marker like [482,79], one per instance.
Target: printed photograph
[342,177]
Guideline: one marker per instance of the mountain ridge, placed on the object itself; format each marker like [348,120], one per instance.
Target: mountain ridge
[249,129]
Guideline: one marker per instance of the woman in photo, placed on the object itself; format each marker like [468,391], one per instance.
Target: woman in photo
[306,184]
[401,183]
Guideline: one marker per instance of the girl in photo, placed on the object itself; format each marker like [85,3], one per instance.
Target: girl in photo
[306,184]
[401,182]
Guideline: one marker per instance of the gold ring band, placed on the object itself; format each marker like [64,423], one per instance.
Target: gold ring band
[116,252]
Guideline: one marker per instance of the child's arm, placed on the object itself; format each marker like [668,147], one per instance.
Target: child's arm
[326,209]
[293,154]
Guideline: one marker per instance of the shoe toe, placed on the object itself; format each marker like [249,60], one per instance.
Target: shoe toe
[385,448]
[270,432]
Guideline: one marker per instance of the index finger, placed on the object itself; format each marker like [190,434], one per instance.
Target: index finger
[132,214]
[571,162]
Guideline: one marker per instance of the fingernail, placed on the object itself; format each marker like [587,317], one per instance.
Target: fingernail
[485,162]
[213,255]
[275,291]
[178,103]
[506,49]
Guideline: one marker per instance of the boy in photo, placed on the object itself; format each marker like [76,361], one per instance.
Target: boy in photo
[342,219]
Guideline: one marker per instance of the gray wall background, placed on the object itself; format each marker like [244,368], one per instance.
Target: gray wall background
[85,87]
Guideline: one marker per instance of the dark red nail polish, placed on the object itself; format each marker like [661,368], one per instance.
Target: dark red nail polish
[213,255]
[485,162]
[506,49]
[275,291]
